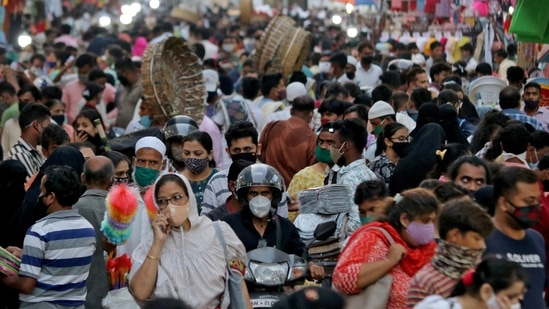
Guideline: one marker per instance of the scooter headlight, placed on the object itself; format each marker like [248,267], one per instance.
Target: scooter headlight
[268,274]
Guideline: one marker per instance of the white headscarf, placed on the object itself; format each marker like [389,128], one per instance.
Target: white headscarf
[192,264]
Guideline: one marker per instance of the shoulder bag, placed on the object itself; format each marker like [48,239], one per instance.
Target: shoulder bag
[233,284]
[376,295]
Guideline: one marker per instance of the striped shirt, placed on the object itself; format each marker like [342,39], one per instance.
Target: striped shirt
[217,192]
[57,252]
[31,158]
[429,281]
[522,117]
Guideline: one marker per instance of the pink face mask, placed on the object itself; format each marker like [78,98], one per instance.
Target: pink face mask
[421,234]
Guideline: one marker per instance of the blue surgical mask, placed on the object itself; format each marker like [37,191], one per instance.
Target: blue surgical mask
[146,121]
[534,165]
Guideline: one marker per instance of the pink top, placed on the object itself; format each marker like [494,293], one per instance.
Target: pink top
[207,125]
[139,46]
[72,94]
[69,40]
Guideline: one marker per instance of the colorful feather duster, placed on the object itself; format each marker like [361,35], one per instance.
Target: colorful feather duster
[122,205]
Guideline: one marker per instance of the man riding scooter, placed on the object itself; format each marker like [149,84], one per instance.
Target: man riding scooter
[259,188]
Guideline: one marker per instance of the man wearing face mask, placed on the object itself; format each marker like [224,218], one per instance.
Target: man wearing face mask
[531,97]
[367,73]
[259,189]
[350,169]
[379,115]
[517,197]
[98,177]
[130,90]
[323,73]
[149,161]
[47,260]
[538,148]
[32,120]
[72,92]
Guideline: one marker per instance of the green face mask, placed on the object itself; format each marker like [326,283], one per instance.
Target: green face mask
[145,176]
[323,155]
[366,219]
[378,129]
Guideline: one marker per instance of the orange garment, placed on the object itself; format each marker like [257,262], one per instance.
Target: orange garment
[370,246]
[290,146]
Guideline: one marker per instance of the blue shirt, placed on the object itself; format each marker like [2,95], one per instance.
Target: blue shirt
[522,117]
[57,252]
[529,252]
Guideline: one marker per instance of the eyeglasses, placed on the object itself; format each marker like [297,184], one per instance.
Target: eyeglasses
[176,200]
[402,139]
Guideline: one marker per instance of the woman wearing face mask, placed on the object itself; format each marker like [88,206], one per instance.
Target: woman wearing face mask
[85,130]
[495,284]
[391,146]
[369,255]
[57,110]
[199,163]
[372,198]
[183,257]
[121,166]
[312,176]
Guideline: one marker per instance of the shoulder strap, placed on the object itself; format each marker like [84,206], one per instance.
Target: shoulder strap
[385,233]
[278,233]
[219,233]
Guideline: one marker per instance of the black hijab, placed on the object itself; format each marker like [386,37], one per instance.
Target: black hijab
[449,122]
[427,113]
[12,190]
[29,212]
[420,159]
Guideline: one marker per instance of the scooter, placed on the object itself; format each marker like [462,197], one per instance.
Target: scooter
[268,270]
[324,250]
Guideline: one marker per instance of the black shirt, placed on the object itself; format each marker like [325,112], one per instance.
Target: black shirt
[242,224]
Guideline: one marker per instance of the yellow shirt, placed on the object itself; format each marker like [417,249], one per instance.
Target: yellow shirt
[305,179]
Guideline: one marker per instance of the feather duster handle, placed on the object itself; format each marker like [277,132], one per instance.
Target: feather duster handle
[122,205]
[150,205]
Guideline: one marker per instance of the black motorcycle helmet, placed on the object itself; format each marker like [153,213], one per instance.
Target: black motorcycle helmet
[259,174]
[175,129]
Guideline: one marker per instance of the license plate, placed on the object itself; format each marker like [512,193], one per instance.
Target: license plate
[263,303]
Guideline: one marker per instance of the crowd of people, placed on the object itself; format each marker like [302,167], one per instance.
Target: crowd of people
[446,197]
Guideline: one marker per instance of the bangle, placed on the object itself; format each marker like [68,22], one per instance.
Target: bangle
[152,257]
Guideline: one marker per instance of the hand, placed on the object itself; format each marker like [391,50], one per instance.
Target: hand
[161,229]
[396,253]
[70,64]
[499,302]
[17,252]
[80,136]
[316,271]
[107,246]
[293,204]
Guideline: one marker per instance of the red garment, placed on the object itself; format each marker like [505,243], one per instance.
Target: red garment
[369,246]
[289,146]
[543,225]
[430,6]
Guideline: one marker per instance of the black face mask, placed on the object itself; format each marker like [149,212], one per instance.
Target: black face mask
[40,203]
[367,60]
[400,148]
[123,80]
[351,75]
[246,156]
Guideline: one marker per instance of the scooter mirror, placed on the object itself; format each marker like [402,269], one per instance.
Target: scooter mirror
[324,230]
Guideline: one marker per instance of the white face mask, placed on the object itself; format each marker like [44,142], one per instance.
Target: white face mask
[260,206]
[324,66]
[228,47]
